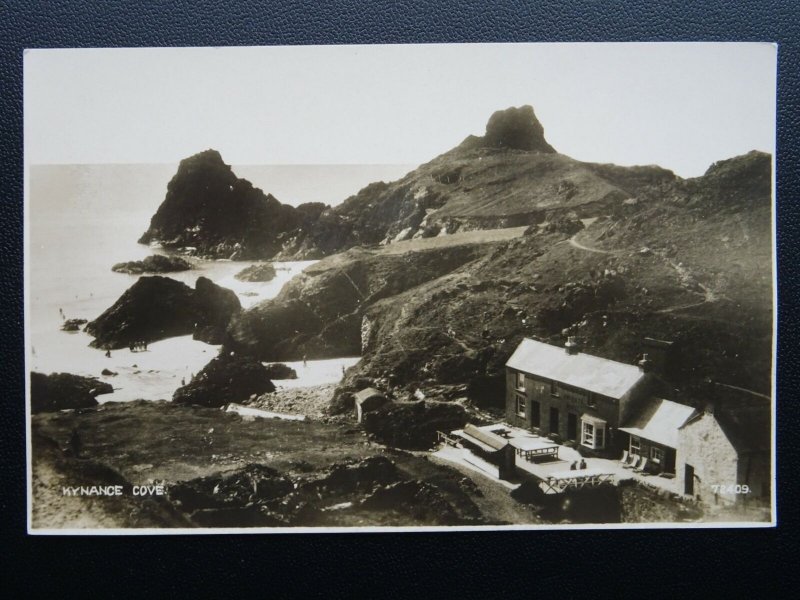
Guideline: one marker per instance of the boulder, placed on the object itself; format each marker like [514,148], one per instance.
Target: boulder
[156,308]
[281,371]
[73,324]
[215,304]
[257,272]
[157,263]
[225,379]
[59,391]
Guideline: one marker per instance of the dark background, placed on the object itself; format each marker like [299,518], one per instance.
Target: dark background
[466,565]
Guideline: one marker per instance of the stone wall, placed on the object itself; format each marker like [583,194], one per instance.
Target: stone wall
[703,445]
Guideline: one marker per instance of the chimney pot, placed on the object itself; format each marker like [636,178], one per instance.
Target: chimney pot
[572,345]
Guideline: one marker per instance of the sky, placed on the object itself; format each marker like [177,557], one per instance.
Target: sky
[681,106]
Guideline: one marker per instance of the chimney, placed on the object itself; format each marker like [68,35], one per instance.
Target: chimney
[658,353]
[711,400]
[572,346]
[645,364]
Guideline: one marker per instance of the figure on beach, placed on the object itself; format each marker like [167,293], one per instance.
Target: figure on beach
[108,352]
[305,363]
[138,346]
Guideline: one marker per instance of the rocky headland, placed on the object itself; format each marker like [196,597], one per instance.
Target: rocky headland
[610,254]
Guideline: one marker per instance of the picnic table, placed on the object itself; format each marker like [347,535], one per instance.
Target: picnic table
[533,447]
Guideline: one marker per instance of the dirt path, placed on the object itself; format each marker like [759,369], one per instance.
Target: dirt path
[576,244]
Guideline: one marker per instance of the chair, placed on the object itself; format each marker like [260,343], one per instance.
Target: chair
[635,458]
[624,460]
[642,466]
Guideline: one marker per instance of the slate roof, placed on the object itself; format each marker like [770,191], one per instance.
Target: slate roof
[659,421]
[487,438]
[600,375]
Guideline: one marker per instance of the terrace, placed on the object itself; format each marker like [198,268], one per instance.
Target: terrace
[550,463]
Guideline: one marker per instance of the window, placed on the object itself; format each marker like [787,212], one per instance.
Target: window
[593,435]
[635,445]
[588,435]
[520,381]
[656,455]
[553,388]
[520,406]
[591,401]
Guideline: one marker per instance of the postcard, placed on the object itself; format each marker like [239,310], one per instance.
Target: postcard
[400,287]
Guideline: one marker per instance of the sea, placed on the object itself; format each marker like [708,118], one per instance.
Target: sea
[83,219]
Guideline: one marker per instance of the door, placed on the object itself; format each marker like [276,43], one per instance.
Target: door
[572,426]
[536,417]
[688,480]
[553,420]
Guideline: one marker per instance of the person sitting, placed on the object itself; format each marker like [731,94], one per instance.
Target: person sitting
[583,464]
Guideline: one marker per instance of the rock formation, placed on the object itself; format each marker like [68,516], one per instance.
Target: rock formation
[73,324]
[211,210]
[516,129]
[257,272]
[59,391]
[223,380]
[156,308]
[280,371]
[156,263]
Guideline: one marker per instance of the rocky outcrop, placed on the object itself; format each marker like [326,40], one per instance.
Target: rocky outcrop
[156,308]
[258,272]
[516,129]
[280,371]
[59,391]
[156,263]
[73,324]
[225,379]
[370,490]
[413,425]
[319,313]
[209,209]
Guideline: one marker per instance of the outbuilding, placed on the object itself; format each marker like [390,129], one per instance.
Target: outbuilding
[653,433]
[725,454]
[367,400]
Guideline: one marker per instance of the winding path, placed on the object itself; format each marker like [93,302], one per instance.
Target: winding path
[708,294]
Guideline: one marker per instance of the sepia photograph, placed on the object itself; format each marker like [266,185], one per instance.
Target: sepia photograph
[400,287]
